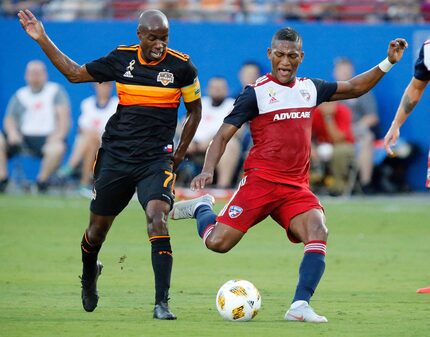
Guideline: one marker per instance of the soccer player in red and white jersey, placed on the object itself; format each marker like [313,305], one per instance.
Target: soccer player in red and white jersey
[410,99]
[279,107]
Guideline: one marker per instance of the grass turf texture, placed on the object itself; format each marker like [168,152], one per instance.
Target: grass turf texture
[378,255]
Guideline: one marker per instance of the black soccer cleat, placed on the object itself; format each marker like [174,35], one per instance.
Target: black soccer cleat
[42,187]
[3,185]
[162,311]
[89,294]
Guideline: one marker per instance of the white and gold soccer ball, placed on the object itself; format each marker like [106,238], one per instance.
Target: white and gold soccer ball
[238,300]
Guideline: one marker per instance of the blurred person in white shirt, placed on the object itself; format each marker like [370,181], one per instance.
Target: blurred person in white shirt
[215,106]
[95,113]
[36,122]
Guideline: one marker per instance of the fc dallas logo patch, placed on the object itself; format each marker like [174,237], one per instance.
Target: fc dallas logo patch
[165,77]
[234,211]
[305,94]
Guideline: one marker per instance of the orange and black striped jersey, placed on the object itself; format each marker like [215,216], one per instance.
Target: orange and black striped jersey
[149,94]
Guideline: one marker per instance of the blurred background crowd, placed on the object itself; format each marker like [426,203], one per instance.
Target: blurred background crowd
[58,151]
[250,11]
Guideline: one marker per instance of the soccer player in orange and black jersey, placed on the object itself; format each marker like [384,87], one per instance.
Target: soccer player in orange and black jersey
[149,94]
[137,151]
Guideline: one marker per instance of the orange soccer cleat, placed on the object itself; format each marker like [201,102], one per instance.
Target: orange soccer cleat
[424,290]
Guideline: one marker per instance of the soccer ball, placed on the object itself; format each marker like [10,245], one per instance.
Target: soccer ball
[238,300]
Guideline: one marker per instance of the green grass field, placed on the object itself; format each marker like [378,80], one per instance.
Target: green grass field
[378,255]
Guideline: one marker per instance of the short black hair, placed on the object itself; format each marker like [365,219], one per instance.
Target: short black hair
[287,34]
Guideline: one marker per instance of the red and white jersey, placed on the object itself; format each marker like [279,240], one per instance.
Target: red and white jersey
[280,117]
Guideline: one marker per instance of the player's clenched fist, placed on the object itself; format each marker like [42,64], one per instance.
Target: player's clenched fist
[396,49]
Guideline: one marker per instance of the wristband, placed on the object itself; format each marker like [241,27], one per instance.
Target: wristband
[385,65]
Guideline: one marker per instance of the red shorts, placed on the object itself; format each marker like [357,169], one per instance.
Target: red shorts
[256,199]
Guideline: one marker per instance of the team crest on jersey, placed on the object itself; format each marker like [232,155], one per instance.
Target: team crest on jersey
[129,69]
[305,94]
[234,211]
[165,77]
[272,94]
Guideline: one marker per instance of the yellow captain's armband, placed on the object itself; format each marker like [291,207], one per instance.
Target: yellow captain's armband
[192,92]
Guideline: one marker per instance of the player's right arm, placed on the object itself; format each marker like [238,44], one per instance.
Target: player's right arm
[245,108]
[69,68]
[410,98]
[213,155]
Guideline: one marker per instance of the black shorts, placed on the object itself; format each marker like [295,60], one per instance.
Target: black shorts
[30,144]
[115,183]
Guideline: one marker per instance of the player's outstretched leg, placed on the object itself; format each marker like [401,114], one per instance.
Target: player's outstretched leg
[310,273]
[198,208]
[186,209]
[425,290]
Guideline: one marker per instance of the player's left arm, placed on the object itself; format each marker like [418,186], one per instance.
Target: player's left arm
[69,68]
[363,82]
[410,99]
[194,114]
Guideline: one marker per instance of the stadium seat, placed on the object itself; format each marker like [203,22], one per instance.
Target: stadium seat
[124,9]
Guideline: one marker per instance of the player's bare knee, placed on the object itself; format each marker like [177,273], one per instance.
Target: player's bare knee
[319,232]
[157,225]
[98,229]
[217,245]
[96,235]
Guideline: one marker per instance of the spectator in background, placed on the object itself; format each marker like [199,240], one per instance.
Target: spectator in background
[334,143]
[11,7]
[404,11]
[69,10]
[95,112]
[260,11]
[365,119]
[37,121]
[215,106]
[249,72]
